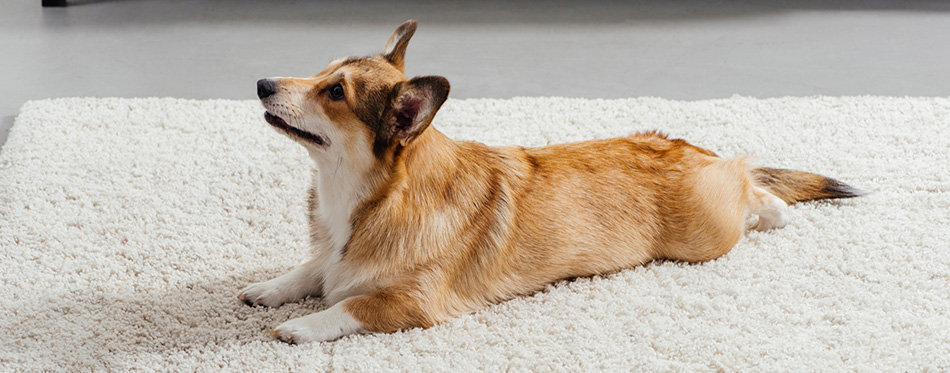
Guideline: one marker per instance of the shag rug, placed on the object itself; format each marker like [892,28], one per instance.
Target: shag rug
[128,226]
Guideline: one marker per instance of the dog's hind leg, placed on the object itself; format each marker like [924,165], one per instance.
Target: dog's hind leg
[707,217]
[769,208]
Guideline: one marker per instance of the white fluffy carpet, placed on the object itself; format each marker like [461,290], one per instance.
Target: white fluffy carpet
[127,227]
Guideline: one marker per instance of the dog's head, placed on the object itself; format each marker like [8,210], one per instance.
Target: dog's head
[357,106]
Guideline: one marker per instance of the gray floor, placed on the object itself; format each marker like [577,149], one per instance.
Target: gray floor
[687,49]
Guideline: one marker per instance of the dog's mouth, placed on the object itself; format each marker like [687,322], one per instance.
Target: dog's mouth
[293,131]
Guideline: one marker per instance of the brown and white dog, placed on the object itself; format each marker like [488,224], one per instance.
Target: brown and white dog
[410,228]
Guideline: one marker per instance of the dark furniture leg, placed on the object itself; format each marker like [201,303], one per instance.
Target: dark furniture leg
[49,3]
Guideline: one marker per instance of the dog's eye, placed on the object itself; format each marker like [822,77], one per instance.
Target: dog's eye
[336,92]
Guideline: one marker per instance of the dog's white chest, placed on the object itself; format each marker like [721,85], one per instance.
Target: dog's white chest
[336,204]
[334,214]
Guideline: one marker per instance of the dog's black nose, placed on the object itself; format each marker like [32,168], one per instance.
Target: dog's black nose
[265,87]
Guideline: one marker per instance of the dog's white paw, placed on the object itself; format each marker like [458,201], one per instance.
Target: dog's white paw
[326,325]
[771,211]
[271,293]
[773,217]
[295,285]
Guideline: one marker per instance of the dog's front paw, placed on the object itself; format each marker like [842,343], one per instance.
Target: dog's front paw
[326,325]
[296,331]
[268,293]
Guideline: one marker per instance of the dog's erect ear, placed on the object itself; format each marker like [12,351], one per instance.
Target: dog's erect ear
[414,105]
[395,50]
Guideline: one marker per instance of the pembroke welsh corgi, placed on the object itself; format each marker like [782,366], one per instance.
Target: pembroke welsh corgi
[410,228]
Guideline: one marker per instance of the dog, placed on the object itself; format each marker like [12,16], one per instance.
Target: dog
[410,228]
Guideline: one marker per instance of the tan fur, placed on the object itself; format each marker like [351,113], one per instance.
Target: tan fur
[483,224]
[450,227]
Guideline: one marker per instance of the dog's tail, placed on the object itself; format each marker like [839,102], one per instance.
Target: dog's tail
[799,186]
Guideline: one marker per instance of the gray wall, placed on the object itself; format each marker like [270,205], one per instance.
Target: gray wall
[673,49]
